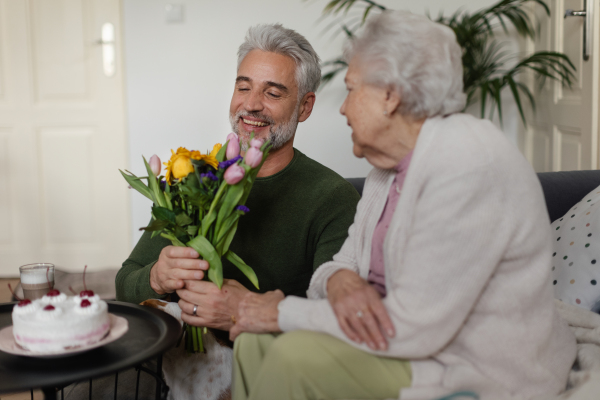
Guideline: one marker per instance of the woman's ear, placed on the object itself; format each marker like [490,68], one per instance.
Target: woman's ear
[392,100]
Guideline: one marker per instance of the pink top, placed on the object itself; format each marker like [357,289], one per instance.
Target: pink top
[377,271]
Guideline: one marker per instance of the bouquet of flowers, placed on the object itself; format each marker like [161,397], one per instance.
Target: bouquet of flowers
[198,204]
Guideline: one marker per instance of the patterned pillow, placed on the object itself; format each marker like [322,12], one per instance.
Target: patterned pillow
[576,255]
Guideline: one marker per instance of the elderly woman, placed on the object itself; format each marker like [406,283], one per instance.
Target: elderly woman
[443,284]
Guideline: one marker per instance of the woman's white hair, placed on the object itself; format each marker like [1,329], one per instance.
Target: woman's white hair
[415,56]
[277,39]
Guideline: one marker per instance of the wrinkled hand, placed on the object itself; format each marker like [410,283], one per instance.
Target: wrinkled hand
[359,309]
[258,313]
[215,307]
[174,266]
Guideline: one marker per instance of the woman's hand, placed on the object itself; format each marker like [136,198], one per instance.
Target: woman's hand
[214,307]
[359,309]
[257,313]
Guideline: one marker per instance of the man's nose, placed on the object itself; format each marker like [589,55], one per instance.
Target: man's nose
[253,102]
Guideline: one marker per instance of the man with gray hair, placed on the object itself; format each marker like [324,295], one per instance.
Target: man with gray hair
[300,211]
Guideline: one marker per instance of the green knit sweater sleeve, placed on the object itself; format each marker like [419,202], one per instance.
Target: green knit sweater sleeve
[133,279]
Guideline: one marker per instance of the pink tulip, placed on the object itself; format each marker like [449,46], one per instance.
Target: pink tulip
[257,143]
[233,148]
[155,165]
[234,174]
[253,157]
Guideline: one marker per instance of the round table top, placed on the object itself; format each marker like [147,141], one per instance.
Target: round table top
[151,332]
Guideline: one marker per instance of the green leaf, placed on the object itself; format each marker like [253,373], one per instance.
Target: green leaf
[366,13]
[159,197]
[483,89]
[183,219]
[515,93]
[192,230]
[229,238]
[163,214]
[211,215]
[348,32]
[208,252]
[136,184]
[230,201]
[198,163]
[497,89]
[223,231]
[528,93]
[168,199]
[222,152]
[242,266]
[156,225]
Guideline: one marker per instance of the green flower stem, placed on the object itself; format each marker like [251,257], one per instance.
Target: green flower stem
[173,239]
[211,215]
[194,343]
[194,338]
[200,339]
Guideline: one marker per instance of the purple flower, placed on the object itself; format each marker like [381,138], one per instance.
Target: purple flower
[226,164]
[243,209]
[210,176]
[162,185]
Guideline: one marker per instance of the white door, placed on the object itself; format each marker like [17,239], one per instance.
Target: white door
[62,136]
[563,135]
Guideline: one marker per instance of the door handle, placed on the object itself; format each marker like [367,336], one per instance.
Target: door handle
[588,14]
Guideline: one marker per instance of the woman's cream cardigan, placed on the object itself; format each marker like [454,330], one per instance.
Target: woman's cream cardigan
[467,261]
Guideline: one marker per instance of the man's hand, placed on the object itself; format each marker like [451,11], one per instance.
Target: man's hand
[215,307]
[359,310]
[174,266]
[258,313]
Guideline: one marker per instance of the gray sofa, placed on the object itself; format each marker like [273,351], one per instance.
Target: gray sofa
[562,190]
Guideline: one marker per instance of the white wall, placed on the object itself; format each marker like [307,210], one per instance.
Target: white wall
[180,76]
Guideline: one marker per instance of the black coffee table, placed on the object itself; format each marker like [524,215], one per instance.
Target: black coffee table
[151,333]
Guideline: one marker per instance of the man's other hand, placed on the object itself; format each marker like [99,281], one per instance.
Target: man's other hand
[216,308]
[174,266]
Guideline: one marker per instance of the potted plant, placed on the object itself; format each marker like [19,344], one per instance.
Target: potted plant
[489,69]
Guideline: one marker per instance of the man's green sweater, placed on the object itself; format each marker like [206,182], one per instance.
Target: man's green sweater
[298,220]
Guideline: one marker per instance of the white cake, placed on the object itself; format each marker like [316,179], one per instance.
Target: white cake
[57,322]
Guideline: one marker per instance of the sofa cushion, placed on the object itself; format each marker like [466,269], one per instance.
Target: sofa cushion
[576,254]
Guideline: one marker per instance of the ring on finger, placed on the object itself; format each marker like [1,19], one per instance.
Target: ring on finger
[359,314]
[195,309]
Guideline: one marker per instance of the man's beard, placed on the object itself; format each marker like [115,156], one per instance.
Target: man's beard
[278,135]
